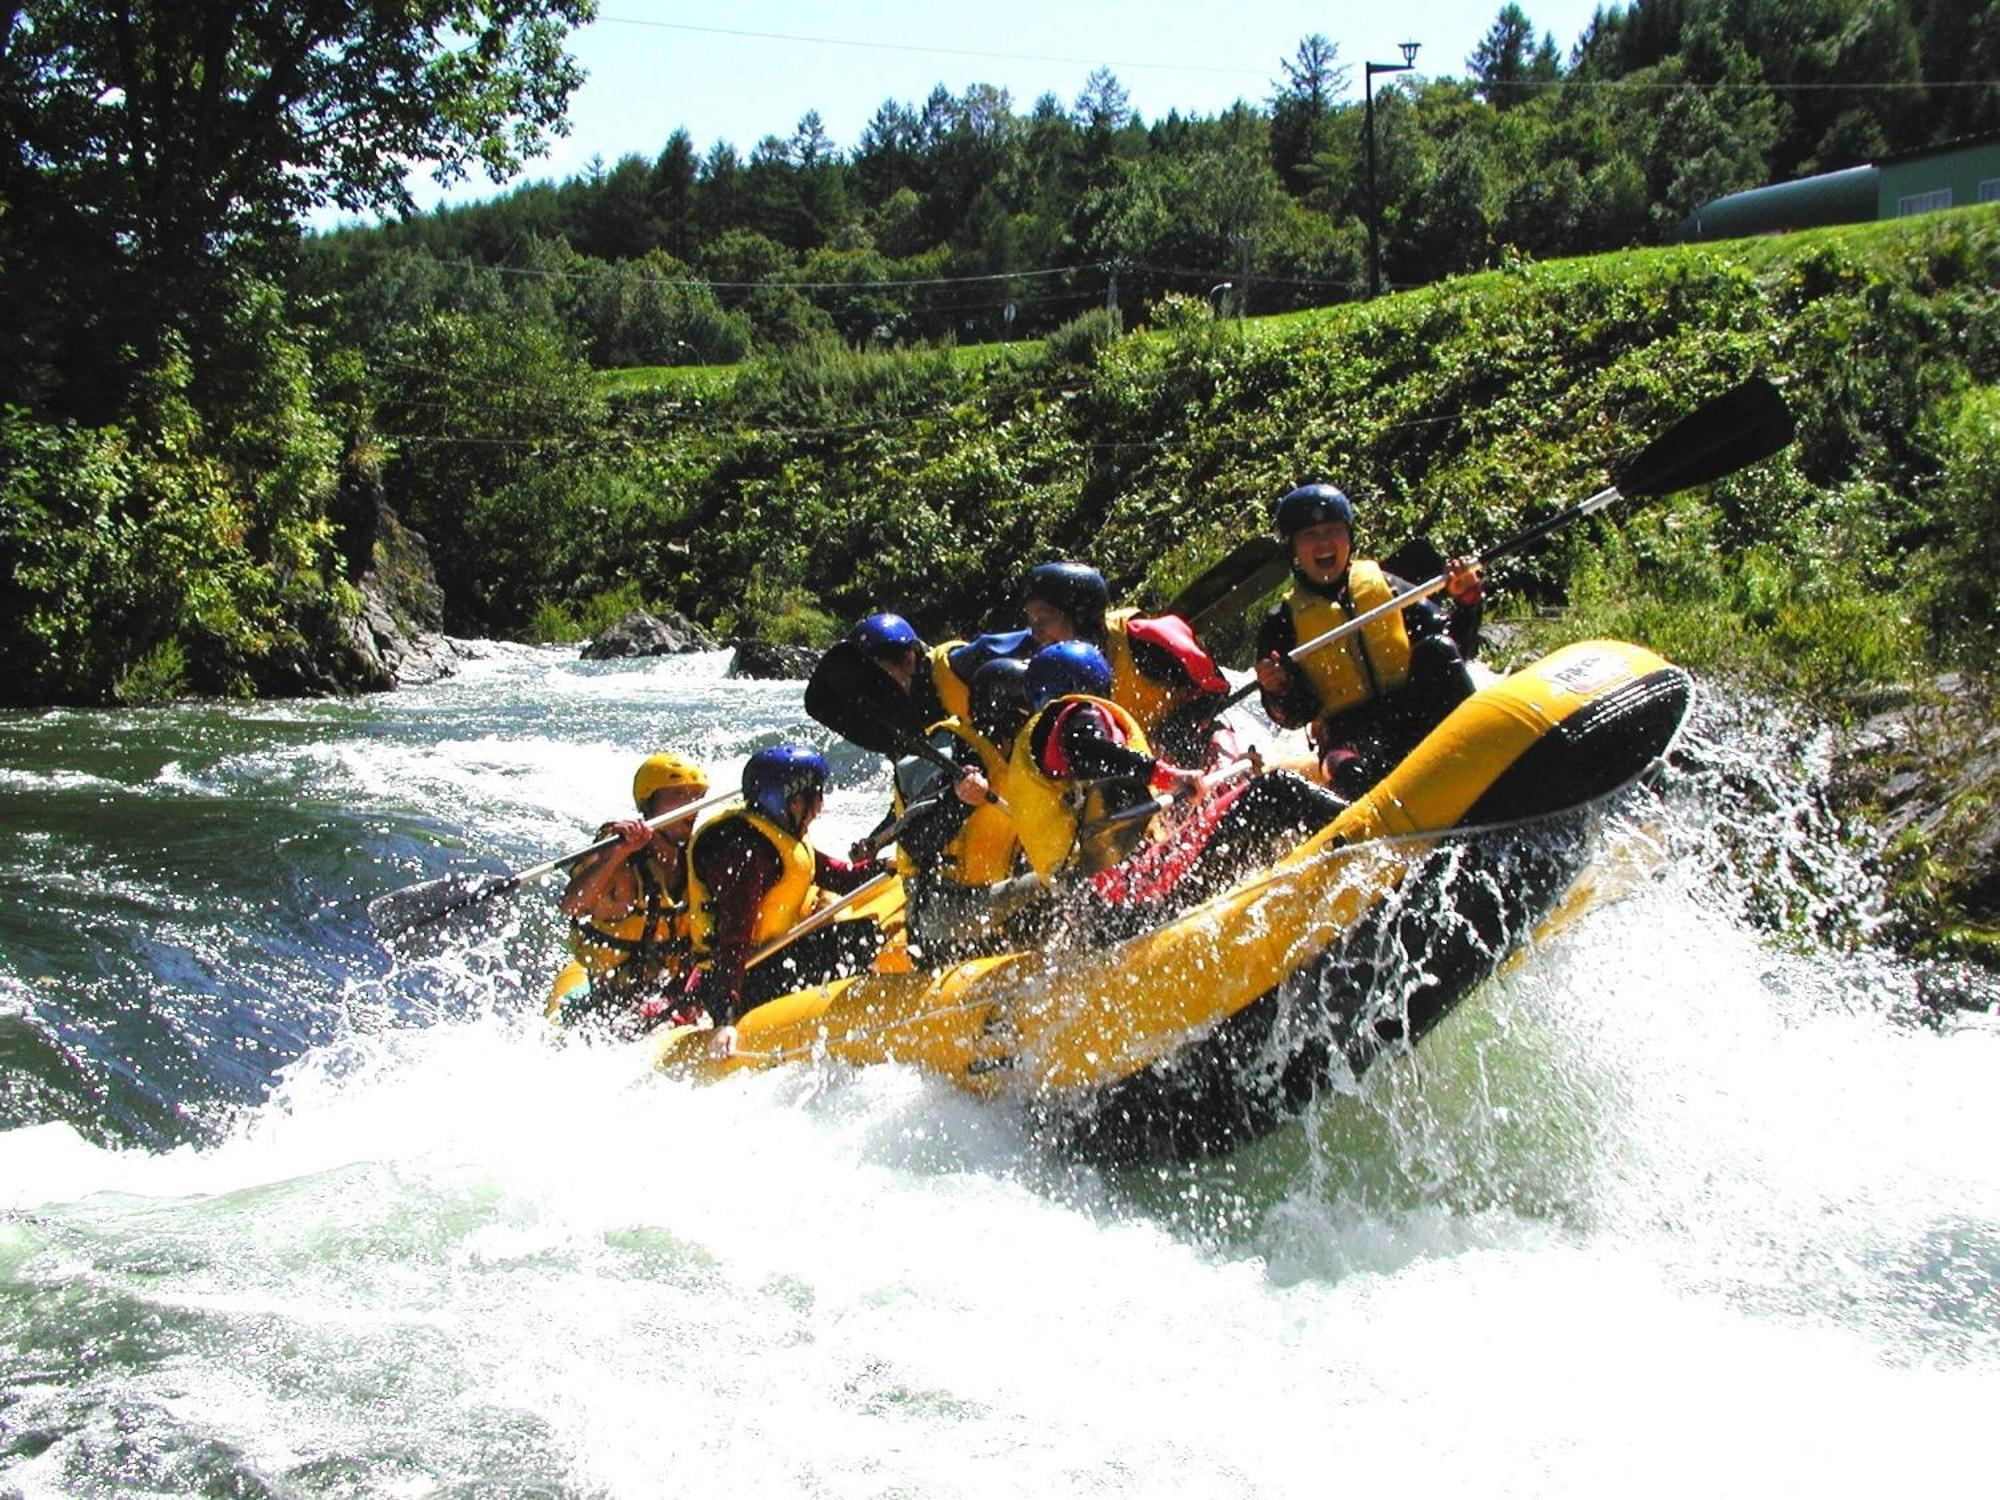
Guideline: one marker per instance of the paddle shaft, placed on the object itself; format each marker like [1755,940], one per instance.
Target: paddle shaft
[1164,801]
[403,911]
[820,918]
[536,872]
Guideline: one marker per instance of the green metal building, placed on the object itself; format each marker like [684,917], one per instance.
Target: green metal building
[1951,175]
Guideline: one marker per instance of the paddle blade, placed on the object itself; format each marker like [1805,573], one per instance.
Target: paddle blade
[1719,437]
[1252,569]
[861,703]
[415,907]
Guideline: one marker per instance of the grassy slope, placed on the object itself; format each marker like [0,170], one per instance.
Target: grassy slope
[1460,410]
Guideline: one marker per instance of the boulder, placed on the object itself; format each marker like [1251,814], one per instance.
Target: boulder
[396,635]
[768,660]
[402,618]
[642,633]
[1925,773]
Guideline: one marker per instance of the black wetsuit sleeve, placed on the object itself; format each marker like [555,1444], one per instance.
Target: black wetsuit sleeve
[1424,618]
[1294,708]
[923,838]
[1094,755]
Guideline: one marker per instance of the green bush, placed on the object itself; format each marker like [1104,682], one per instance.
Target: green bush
[172,552]
[1077,342]
[159,676]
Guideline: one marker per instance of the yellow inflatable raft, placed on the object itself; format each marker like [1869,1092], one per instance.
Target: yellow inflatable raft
[1214,1027]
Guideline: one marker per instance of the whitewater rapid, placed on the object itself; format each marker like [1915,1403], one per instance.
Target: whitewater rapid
[1679,1204]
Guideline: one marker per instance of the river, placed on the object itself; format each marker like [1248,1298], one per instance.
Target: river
[1685,1203]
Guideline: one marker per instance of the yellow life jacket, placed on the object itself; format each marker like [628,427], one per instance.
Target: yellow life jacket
[783,905]
[1047,809]
[644,944]
[953,691]
[982,851]
[1149,701]
[1373,661]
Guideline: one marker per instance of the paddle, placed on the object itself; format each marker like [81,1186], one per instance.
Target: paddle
[863,704]
[1730,432]
[821,917]
[415,906]
[1164,801]
[1251,570]
[888,833]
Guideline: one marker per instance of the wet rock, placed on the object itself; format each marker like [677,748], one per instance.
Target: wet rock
[768,660]
[1926,776]
[395,637]
[402,606]
[642,633]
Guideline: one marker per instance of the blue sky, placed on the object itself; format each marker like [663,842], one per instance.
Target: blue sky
[739,73]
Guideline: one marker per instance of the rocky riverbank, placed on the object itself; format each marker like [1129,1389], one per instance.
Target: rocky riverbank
[1921,771]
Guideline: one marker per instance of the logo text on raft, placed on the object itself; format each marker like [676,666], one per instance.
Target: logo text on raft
[1588,674]
[998,1026]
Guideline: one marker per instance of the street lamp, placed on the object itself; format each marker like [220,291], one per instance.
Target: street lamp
[1368,72]
[1215,307]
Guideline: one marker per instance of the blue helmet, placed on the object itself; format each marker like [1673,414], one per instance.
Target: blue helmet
[778,773]
[1075,588]
[882,633]
[1067,667]
[1312,505]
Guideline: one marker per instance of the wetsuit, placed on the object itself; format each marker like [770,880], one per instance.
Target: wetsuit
[960,864]
[750,883]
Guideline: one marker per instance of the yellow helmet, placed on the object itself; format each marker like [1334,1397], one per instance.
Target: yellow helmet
[666,772]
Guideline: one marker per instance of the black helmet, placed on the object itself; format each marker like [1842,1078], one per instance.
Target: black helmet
[1075,588]
[1312,505]
[1000,698]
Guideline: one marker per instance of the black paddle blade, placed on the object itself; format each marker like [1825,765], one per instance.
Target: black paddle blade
[1719,437]
[1416,558]
[1252,569]
[861,703]
[415,907]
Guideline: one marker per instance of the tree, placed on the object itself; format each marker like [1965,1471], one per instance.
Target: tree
[1507,64]
[1302,109]
[886,161]
[473,404]
[161,144]
[1104,107]
[820,180]
[672,190]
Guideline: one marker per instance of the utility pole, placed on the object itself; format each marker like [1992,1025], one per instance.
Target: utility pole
[1368,72]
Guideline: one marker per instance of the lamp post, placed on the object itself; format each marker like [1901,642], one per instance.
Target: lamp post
[1214,292]
[1368,72]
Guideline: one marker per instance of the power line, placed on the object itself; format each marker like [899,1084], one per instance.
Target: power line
[836,41]
[1264,73]
[466,263]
